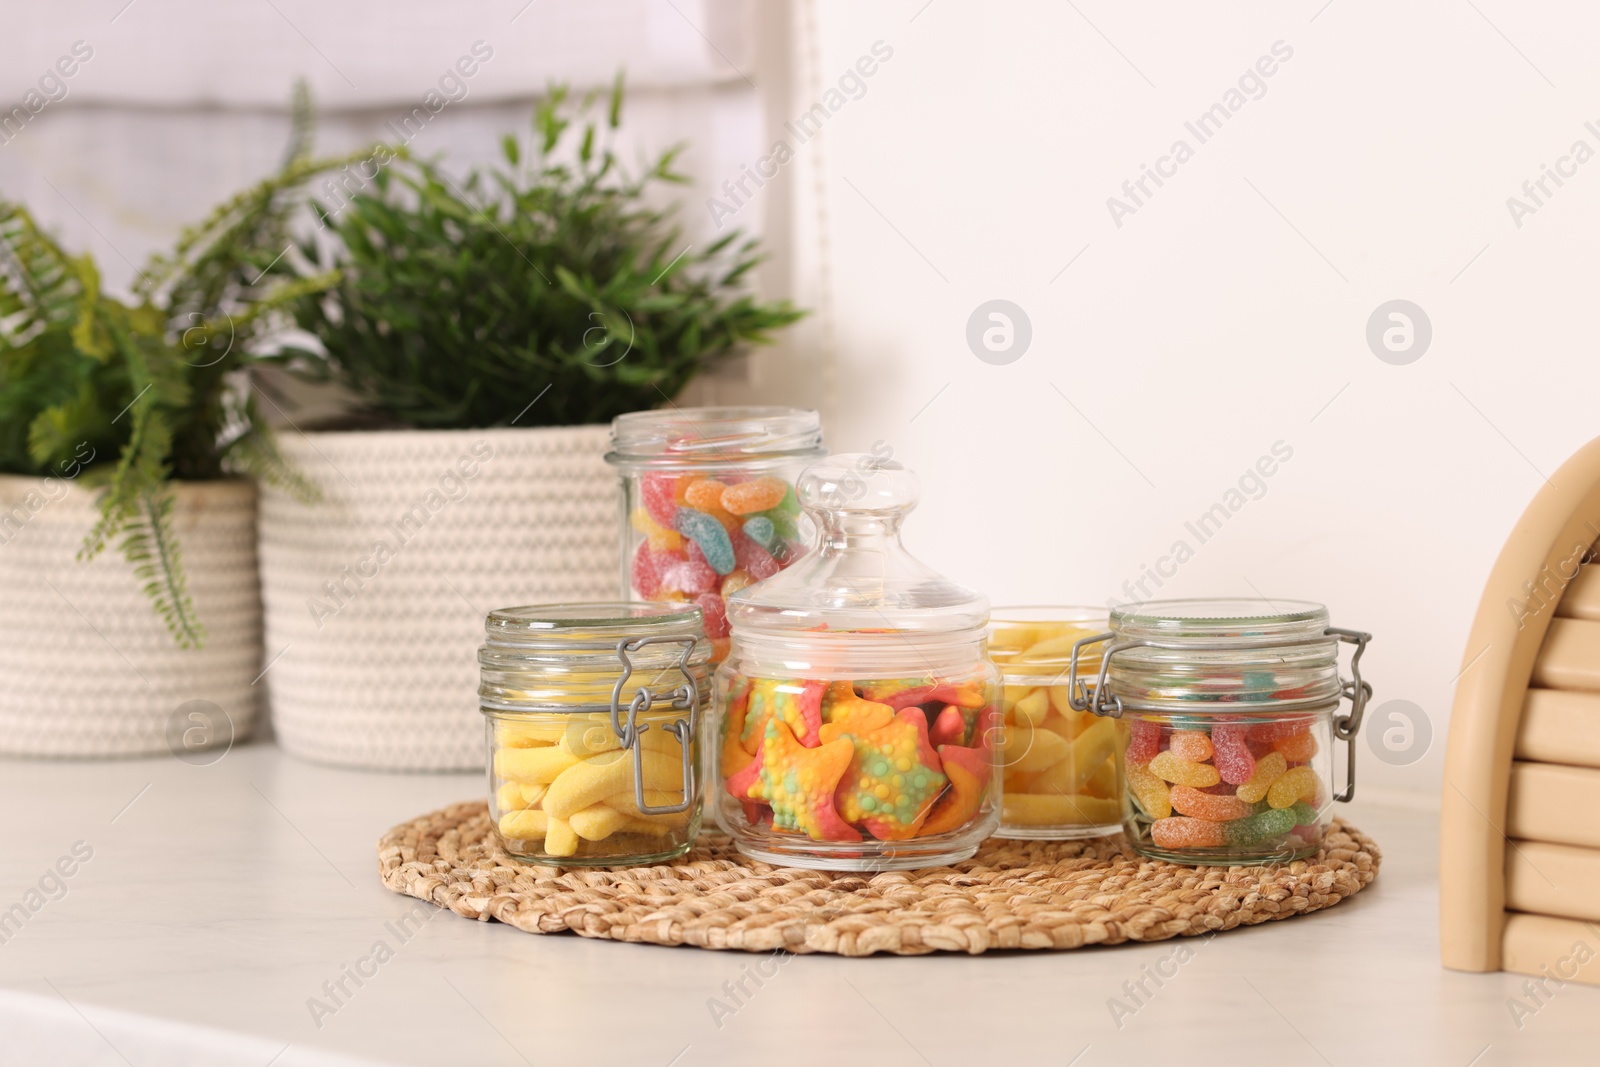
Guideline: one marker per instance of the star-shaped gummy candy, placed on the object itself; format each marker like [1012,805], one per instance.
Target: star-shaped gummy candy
[797,704]
[798,782]
[894,774]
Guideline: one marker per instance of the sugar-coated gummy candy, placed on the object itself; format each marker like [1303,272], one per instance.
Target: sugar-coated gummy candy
[1144,741]
[735,581]
[761,494]
[704,494]
[1189,801]
[784,525]
[1231,754]
[1261,826]
[1279,729]
[1297,783]
[709,537]
[1297,748]
[1269,769]
[659,491]
[1150,791]
[750,556]
[1182,772]
[759,529]
[691,576]
[646,575]
[661,539]
[715,613]
[1191,745]
[1180,831]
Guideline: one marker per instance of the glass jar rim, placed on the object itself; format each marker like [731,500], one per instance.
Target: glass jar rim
[1044,668]
[691,437]
[556,647]
[1240,622]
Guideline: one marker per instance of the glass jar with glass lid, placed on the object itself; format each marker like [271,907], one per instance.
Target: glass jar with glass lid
[1229,711]
[708,503]
[593,712]
[858,720]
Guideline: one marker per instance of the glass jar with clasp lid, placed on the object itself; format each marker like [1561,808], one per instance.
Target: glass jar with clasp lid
[1228,712]
[593,712]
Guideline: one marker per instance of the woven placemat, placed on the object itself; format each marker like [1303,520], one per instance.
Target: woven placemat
[1011,895]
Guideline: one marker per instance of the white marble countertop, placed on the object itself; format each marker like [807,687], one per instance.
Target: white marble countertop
[218,900]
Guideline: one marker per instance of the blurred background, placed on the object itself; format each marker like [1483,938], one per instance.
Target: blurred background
[1159,335]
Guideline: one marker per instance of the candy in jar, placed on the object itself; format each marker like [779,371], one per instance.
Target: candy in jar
[593,714]
[1229,711]
[858,720]
[1061,779]
[708,502]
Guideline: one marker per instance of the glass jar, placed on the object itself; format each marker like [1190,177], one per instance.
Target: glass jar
[1061,777]
[593,712]
[708,502]
[857,723]
[1228,712]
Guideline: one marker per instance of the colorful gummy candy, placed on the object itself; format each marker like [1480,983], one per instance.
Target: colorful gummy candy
[835,761]
[1236,789]
[705,538]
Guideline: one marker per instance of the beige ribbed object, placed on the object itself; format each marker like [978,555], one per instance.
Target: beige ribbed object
[87,668]
[375,595]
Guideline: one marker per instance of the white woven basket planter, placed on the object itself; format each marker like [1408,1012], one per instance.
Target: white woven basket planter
[87,668]
[375,595]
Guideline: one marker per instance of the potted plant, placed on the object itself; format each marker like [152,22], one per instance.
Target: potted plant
[126,444]
[491,328]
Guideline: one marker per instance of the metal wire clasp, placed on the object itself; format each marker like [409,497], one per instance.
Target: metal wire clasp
[1080,696]
[1358,692]
[686,695]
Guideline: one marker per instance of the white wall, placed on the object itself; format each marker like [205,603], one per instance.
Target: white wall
[1229,312]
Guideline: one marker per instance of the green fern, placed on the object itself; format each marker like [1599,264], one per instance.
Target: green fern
[152,390]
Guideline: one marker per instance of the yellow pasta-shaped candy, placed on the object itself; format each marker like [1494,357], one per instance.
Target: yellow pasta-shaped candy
[1084,756]
[1182,772]
[560,839]
[1051,648]
[1061,700]
[1031,809]
[523,824]
[1033,707]
[592,780]
[1038,750]
[535,765]
[1298,783]
[1103,782]
[1151,792]
[1268,770]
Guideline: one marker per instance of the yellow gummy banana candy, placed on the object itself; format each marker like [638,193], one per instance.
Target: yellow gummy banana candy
[592,780]
[533,765]
[559,838]
[524,824]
